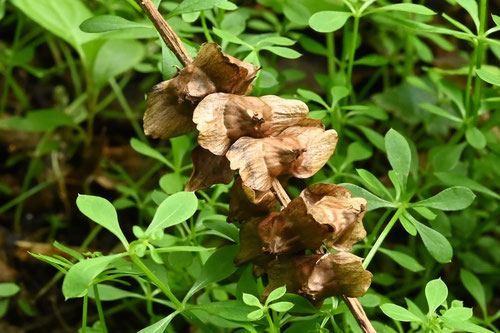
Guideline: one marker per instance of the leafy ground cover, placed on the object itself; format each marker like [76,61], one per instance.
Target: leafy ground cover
[98,235]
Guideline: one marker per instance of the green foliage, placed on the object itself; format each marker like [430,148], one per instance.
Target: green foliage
[74,77]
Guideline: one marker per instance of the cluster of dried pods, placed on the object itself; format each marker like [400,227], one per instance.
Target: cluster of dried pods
[304,245]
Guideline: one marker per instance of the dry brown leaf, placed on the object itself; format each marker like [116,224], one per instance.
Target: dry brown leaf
[208,169]
[223,118]
[320,276]
[245,202]
[170,104]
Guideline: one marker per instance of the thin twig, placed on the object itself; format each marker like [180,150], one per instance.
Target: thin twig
[352,303]
[167,34]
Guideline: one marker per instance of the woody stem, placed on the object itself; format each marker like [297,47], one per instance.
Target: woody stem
[167,34]
[352,303]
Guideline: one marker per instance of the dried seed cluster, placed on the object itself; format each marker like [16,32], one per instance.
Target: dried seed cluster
[264,138]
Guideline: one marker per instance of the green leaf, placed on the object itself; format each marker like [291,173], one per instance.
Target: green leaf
[406,7]
[399,154]
[103,23]
[312,96]
[144,149]
[375,60]
[374,137]
[230,231]
[281,306]
[475,137]
[70,251]
[229,37]
[453,198]
[189,6]
[284,52]
[405,220]
[276,40]
[403,260]
[487,75]
[445,158]
[458,314]
[115,57]
[276,294]
[61,17]
[374,202]
[437,245]
[234,310]
[173,210]
[452,179]
[357,151]
[439,111]
[102,212]
[218,267]
[172,182]
[328,21]
[436,293]
[8,289]
[373,183]
[251,300]
[465,326]
[474,287]
[256,315]
[399,313]
[111,293]
[81,275]
[471,7]
[159,326]
[38,121]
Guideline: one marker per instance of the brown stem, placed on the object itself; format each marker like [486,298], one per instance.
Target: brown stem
[167,34]
[352,303]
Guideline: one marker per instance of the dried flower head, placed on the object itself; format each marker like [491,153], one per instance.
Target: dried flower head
[171,103]
[245,202]
[320,276]
[299,151]
[224,118]
[208,169]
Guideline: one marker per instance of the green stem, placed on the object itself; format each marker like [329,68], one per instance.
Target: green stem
[128,111]
[84,313]
[330,45]
[272,328]
[468,91]
[206,32]
[354,41]
[480,57]
[163,287]
[382,236]
[102,320]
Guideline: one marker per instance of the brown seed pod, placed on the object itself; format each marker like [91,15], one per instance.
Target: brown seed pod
[208,169]
[245,203]
[223,118]
[333,205]
[299,151]
[171,103]
[320,276]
